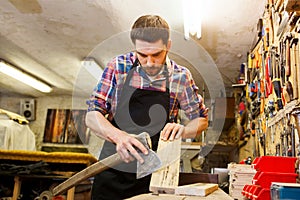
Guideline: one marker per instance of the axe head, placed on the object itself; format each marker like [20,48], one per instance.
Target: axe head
[151,161]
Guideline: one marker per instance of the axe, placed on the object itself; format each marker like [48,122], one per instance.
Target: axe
[151,164]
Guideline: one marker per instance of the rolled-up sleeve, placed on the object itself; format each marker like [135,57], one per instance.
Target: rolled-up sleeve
[101,98]
[190,101]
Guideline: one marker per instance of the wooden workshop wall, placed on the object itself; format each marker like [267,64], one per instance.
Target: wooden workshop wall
[271,84]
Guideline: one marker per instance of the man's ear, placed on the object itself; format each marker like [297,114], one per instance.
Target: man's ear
[169,45]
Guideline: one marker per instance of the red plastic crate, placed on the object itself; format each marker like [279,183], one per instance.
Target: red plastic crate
[249,195]
[252,191]
[245,189]
[274,164]
[263,194]
[265,179]
[256,192]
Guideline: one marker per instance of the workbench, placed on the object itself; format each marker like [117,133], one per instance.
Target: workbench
[218,194]
[62,164]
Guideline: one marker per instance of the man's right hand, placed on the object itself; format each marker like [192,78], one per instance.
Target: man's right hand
[127,146]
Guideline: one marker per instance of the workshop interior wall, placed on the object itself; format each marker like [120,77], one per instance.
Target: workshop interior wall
[269,84]
[42,104]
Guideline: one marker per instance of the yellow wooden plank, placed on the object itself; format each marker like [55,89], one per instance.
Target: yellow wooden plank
[218,194]
[197,189]
[166,179]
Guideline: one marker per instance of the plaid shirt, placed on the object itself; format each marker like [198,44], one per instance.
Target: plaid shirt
[183,91]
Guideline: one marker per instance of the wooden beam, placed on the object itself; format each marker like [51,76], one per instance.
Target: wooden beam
[166,179]
[198,189]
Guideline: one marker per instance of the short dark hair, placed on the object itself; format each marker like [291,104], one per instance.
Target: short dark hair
[150,28]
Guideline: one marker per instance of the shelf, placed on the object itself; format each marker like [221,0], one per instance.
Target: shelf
[54,147]
[238,85]
[288,108]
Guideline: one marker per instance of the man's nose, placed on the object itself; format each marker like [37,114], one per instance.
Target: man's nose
[150,61]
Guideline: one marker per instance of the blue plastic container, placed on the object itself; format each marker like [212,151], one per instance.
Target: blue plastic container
[285,191]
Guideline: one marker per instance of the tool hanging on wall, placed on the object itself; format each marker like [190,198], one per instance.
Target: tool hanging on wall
[276,79]
[291,132]
[284,139]
[294,65]
[286,67]
[297,31]
[296,114]
[283,23]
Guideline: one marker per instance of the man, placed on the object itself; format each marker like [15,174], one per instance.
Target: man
[141,91]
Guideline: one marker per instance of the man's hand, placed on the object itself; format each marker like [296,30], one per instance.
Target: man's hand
[127,147]
[172,131]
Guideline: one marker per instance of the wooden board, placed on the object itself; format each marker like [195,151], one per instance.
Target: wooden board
[218,194]
[197,189]
[166,179]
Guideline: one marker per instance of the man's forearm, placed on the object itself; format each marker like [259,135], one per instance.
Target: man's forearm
[195,127]
[101,126]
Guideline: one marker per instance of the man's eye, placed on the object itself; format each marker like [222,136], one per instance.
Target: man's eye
[156,55]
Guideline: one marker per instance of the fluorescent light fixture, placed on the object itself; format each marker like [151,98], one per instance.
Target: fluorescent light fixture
[24,77]
[192,16]
[90,65]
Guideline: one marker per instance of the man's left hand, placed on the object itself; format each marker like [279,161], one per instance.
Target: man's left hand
[172,131]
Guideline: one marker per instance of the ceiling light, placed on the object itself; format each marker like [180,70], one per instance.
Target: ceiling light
[24,77]
[192,16]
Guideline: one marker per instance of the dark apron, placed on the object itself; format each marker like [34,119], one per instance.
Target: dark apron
[137,111]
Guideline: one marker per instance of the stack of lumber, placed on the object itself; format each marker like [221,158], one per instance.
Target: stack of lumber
[239,175]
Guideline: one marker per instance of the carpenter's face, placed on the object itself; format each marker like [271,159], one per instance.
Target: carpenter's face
[152,56]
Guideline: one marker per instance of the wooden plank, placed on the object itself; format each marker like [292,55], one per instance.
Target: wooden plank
[71,194]
[166,179]
[198,189]
[218,194]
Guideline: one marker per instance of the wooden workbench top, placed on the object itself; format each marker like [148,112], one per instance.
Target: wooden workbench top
[53,157]
[218,194]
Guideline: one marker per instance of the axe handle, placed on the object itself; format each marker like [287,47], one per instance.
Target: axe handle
[88,172]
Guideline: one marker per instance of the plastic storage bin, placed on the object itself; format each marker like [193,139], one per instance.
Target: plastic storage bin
[264,179]
[270,169]
[263,194]
[274,164]
[285,191]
